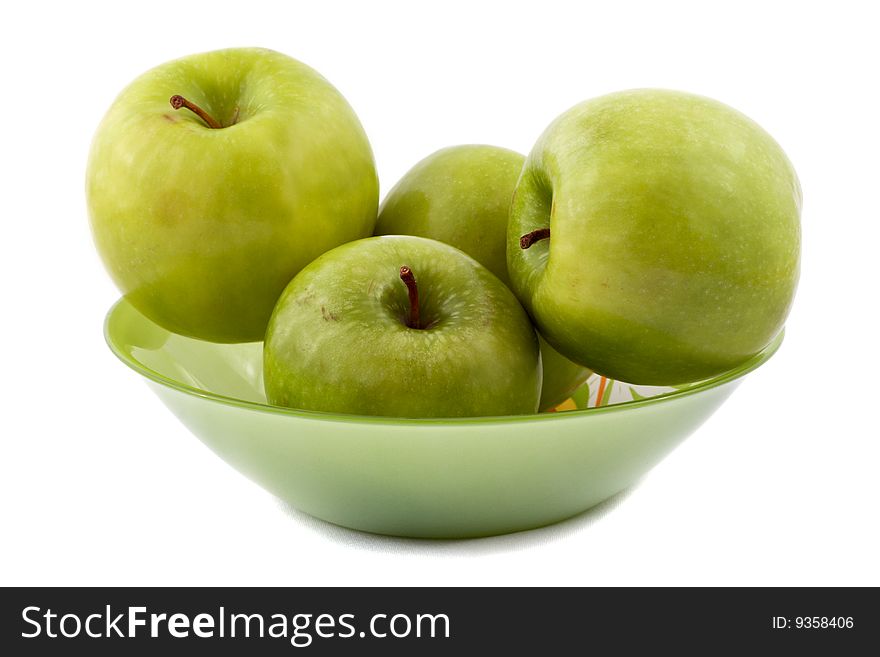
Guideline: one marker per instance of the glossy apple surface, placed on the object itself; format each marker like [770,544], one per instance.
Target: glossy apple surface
[201,228]
[339,339]
[674,236]
[461,196]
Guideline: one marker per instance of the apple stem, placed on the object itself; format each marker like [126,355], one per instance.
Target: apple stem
[535,236]
[179,101]
[407,277]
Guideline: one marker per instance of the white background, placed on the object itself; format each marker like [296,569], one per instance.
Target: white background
[100,484]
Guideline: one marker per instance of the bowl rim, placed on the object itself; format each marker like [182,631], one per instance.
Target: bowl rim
[693,388]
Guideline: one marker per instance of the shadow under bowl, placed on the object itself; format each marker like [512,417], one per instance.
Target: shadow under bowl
[428,478]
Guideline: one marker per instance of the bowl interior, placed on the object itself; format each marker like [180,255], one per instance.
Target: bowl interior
[234,372]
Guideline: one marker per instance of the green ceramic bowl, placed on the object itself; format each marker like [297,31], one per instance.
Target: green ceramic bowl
[426,478]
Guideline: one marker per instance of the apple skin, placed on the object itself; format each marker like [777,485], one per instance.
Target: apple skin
[338,340]
[202,228]
[675,236]
[461,196]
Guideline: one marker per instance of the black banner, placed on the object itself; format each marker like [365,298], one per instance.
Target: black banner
[112,621]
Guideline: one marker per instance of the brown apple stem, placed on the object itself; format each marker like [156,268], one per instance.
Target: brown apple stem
[535,236]
[407,277]
[179,101]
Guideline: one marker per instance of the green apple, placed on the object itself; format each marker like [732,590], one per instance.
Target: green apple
[655,236]
[401,326]
[461,195]
[215,178]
